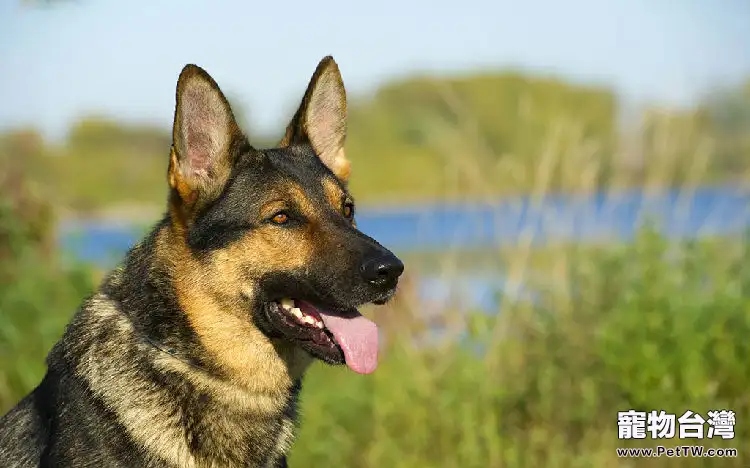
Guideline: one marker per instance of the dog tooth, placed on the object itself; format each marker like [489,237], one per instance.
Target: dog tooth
[314,320]
[309,320]
[287,303]
[319,324]
[297,313]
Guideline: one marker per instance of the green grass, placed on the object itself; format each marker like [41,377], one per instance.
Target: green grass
[37,298]
[650,326]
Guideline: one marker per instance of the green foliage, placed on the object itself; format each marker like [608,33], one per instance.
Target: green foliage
[101,164]
[730,119]
[424,131]
[37,297]
[651,326]
[96,132]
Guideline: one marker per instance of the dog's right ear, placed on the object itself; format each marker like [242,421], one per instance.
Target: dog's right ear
[205,138]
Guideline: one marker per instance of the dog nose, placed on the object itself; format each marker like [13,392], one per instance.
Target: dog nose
[382,270]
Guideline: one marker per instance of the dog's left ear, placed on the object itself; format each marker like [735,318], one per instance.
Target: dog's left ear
[321,118]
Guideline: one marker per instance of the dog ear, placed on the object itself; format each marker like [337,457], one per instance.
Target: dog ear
[205,138]
[321,118]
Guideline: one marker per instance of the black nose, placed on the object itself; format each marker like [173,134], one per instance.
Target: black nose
[383,270]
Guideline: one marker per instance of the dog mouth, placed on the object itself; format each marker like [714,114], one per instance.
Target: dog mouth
[334,337]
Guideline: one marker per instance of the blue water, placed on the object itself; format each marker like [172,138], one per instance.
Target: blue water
[715,211]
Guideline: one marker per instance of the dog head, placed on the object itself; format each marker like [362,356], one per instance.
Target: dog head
[271,233]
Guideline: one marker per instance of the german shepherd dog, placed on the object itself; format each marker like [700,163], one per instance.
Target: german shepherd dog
[191,352]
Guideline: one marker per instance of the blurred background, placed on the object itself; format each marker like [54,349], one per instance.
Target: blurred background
[568,184]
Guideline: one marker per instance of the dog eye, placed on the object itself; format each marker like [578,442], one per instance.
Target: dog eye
[348,210]
[280,218]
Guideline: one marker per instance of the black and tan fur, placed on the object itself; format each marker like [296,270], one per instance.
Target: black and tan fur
[179,358]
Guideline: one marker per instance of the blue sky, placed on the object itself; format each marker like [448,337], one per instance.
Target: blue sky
[122,58]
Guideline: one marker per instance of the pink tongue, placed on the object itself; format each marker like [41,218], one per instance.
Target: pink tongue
[358,337]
